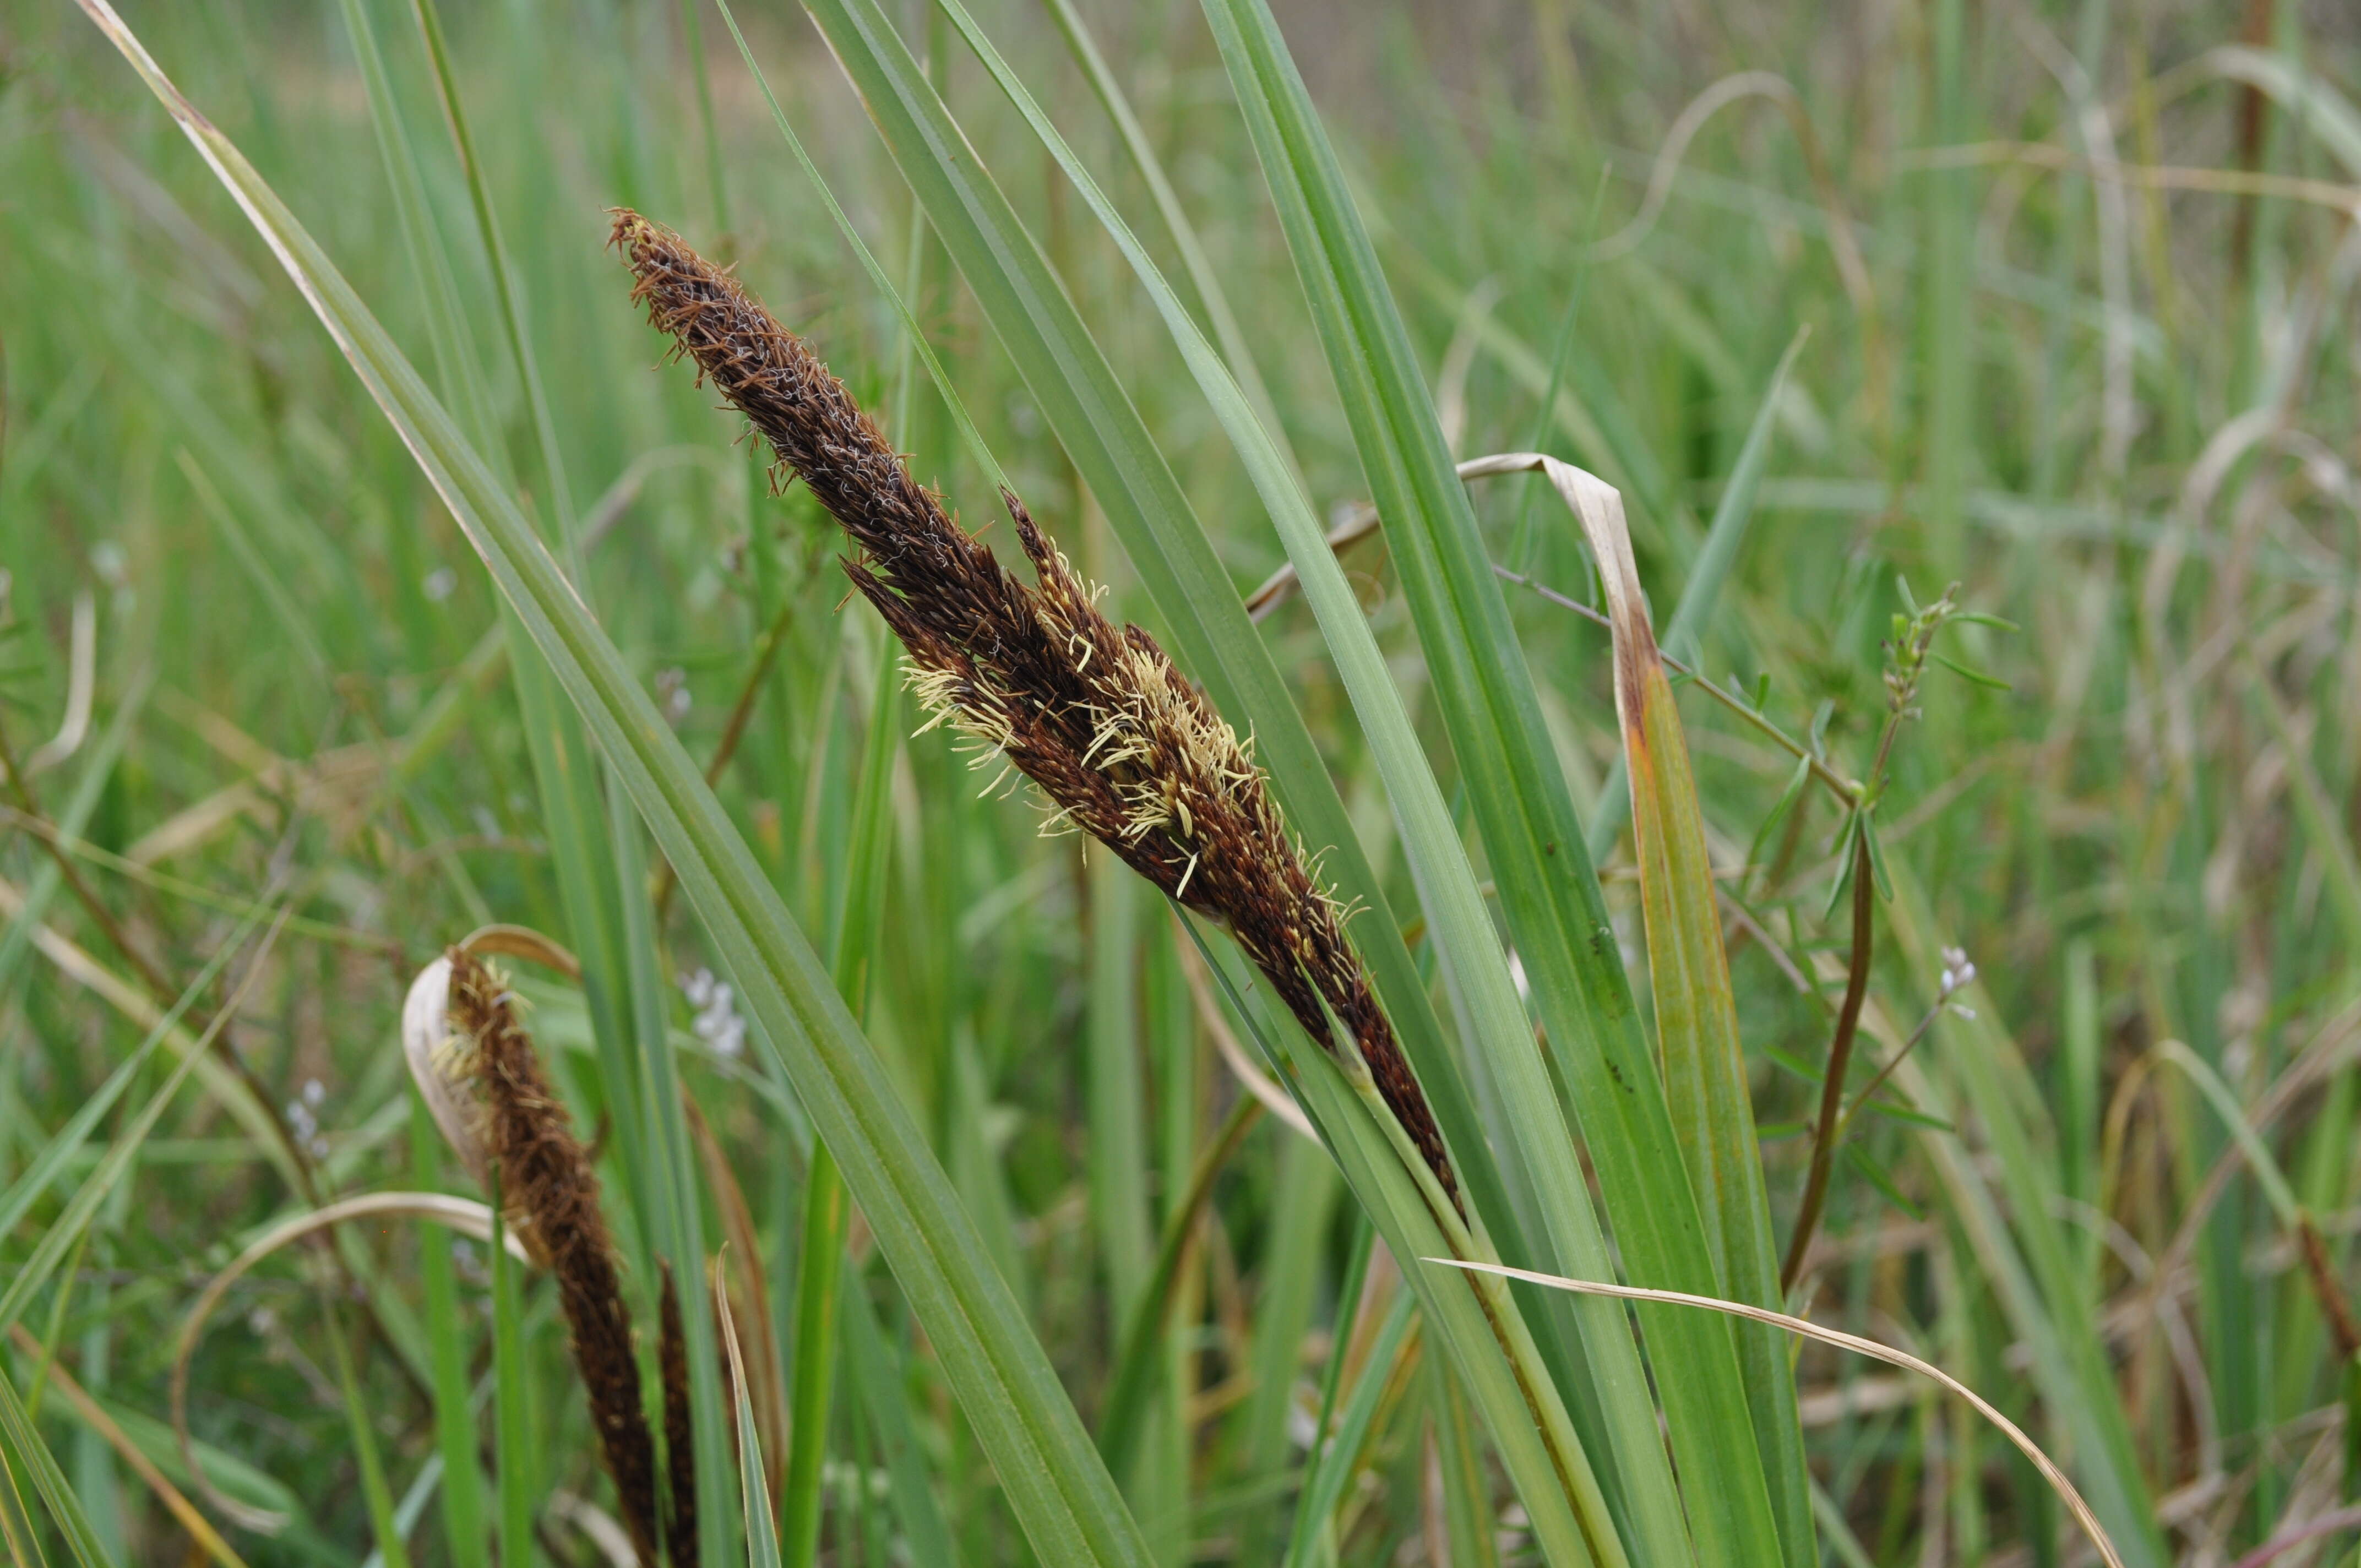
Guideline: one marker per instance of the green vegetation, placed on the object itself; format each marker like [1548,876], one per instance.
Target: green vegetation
[1951,935]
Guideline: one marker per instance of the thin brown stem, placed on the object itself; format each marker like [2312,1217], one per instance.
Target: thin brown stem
[1877,1079]
[1831,1124]
[2334,1304]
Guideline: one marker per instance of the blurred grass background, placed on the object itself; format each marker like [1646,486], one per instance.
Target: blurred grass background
[2079,280]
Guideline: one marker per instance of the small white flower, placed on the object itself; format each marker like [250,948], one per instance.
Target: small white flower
[717,1024]
[439,585]
[314,1091]
[1959,973]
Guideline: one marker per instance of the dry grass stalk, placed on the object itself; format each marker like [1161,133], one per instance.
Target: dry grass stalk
[1120,742]
[545,1176]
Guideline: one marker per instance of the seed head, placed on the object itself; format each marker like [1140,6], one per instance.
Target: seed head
[1121,744]
[546,1179]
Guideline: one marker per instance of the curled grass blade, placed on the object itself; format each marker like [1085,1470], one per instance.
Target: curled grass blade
[1723,541]
[465,1215]
[1859,1346]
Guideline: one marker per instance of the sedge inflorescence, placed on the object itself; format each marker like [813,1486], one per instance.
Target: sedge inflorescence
[547,1183]
[1121,744]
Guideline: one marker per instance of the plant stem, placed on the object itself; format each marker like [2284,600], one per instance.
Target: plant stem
[1830,1124]
[2334,1305]
[512,1425]
[1877,1079]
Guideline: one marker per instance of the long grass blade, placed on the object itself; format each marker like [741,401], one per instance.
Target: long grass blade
[375,1493]
[562,768]
[1237,353]
[762,1533]
[1520,804]
[1689,974]
[818,1299]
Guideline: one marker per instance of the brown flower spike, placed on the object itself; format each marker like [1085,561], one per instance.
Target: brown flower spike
[1120,742]
[545,1176]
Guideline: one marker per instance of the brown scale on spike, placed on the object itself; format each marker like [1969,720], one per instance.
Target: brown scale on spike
[1123,745]
[680,1448]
